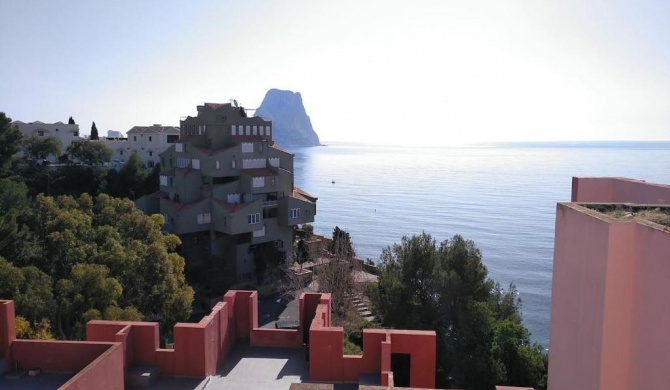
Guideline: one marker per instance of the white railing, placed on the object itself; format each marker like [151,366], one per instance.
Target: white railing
[259,233]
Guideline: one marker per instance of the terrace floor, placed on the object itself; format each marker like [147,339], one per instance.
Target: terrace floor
[44,381]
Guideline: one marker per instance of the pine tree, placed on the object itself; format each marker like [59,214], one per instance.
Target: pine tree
[94,132]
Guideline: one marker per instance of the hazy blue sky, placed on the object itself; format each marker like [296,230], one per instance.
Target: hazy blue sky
[424,72]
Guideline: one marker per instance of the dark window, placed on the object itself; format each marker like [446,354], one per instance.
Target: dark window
[134,138]
[149,138]
[172,138]
[224,180]
[151,153]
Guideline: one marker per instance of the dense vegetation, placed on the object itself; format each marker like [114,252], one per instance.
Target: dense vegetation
[66,260]
[445,287]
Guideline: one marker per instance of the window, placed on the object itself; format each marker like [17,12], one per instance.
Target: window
[196,163]
[247,147]
[179,147]
[151,153]
[261,130]
[120,152]
[267,130]
[134,138]
[171,138]
[234,163]
[258,182]
[260,147]
[254,218]
[76,134]
[248,129]
[150,164]
[165,219]
[204,218]
[272,181]
[294,213]
[182,162]
[171,182]
[233,130]
[255,130]
[164,180]
[149,138]
[218,164]
[40,133]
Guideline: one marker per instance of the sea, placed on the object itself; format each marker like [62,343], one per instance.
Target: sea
[501,196]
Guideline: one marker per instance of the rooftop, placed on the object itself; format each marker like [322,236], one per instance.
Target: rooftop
[645,213]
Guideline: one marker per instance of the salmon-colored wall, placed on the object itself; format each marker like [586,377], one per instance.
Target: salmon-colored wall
[610,313]
[650,352]
[327,362]
[619,300]
[52,355]
[578,300]
[618,190]
[7,327]
[105,372]
[200,348]
[420,345]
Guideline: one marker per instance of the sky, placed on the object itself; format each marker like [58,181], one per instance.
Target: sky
[384,72]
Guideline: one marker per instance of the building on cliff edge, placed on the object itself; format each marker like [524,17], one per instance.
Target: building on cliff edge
[227,190]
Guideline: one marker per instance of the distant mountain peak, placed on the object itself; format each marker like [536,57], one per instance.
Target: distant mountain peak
[290,123]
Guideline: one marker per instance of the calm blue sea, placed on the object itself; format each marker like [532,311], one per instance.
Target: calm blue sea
[502,196]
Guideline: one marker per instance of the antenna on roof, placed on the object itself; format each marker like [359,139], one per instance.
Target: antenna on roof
[234,102]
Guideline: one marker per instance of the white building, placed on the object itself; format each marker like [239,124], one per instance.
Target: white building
[147,141]
[64,132]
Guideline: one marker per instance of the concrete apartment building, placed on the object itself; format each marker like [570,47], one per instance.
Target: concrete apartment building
[226,189]
[147,141]
[67,134]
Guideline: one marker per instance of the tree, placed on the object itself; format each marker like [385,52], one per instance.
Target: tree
[94,132]
[337,276]
[341,244]
[71,121]
[100,258]
[30,289]
[89,152]
[39,148]
[16,240]
[10,143]
[445,287]
[130,180]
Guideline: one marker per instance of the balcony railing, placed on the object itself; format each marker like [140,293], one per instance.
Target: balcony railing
[270,203]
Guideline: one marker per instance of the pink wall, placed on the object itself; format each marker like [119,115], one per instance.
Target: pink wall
[650,351]
[578,300]
[327,362]
[7,327]
[610,313]
[114,346]
[105,372]
[618,190]
[51,355]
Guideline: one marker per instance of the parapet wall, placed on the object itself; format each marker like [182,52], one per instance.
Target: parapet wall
[618,190]
[610,312]
[113,347]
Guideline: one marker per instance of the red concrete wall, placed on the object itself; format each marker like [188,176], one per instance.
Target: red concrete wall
[578,300]
[7,327]
[327,362]
[650,345]
[105,372]
[60,356]
[618,190]
[610,313]
[421,346]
